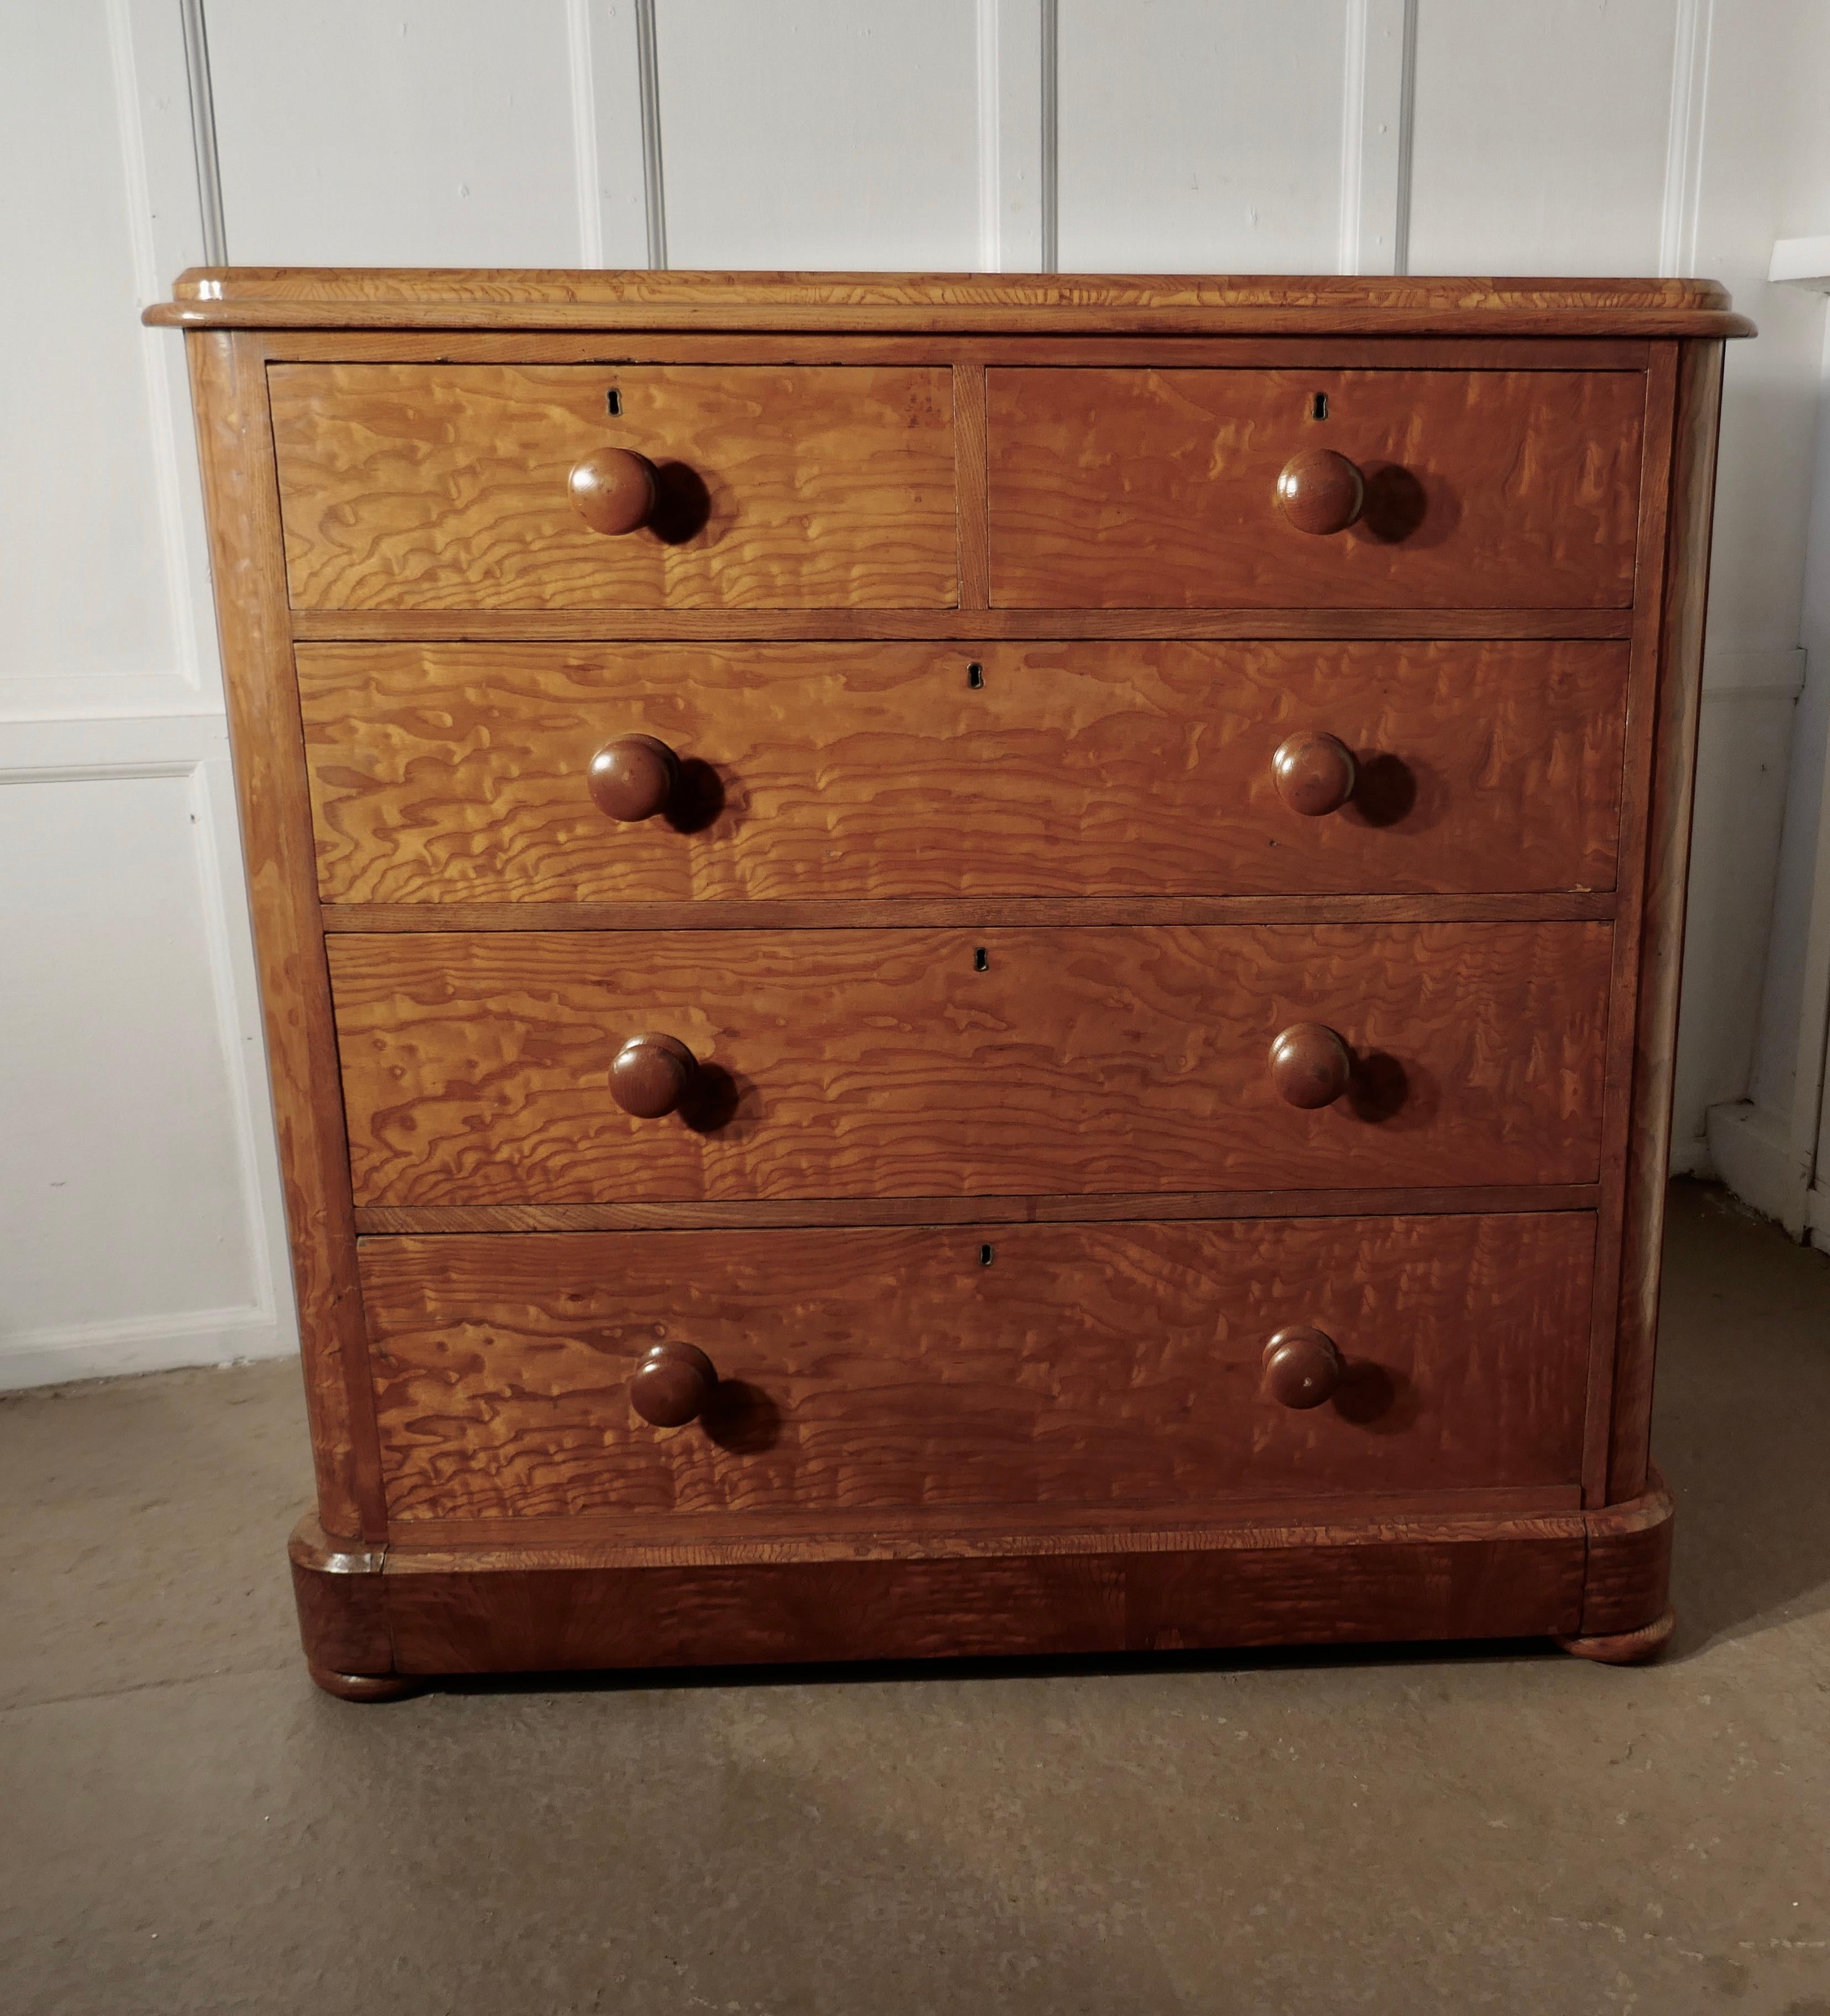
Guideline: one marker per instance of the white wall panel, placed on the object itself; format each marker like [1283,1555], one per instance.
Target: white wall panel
[1540,137]
[83,581]
[1201,135]
[412,133]
[121,1174]
[820,134]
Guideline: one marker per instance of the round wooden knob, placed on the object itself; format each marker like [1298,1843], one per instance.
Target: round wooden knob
[633,777]
[1301,1367]
[650,1075]
[672,1384]
[1315,774]
[1320,491]
[1310,1065]
[614,490]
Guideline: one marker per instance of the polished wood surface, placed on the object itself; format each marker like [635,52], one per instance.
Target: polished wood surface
[1427,1567]
[964,1278]
[228,389]
[614,491]
[449,299]
[673,1384]
[1110,1206]
[721,914]
[1303,1367]
[633,778]
[1632,1329]
[1319,491]
[457,773]
[917,1369]
[476,1068]
[1120,489]
[1331,1587]
[502,626]
[651,1074]
[1315,774]
[1630,1562]
[423,487]
[1311,1067]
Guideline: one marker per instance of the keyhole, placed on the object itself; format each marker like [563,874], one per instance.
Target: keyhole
[982,960]
[975,677]
[613,400]
[986,1255]
[1318,406]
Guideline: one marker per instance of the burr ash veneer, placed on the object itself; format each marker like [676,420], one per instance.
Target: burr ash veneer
[964,965]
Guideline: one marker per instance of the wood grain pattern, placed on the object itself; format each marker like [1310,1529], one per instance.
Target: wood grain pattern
[1642,728]
[675,1539]
[969,484]
[1342,1590]
[892,1370]
[343,1616]
[986,1258]
[429,486]
[458,773]
[884,1063]
[229,392]
[1669,790]
[528,287]
[967,625]
[713,913]
[1113,489]
[409,345]
[456,299]
[754,1214]
[1628,1580]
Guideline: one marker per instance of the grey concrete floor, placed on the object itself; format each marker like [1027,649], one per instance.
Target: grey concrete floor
[186,1825]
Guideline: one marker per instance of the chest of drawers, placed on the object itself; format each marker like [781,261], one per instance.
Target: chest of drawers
[964,966]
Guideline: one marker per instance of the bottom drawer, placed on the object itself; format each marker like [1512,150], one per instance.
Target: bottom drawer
[921,1368]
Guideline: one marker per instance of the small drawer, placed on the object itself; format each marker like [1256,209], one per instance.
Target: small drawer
[473,773]
[1201,489]
[411,486]
[915,1370]
[504,1068]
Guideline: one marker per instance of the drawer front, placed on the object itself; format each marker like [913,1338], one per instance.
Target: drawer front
[462,772]
[1132,489]
[895,1371]
[477,1068]
[412,486]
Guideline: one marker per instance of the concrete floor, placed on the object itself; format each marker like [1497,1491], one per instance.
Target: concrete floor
[186,1825]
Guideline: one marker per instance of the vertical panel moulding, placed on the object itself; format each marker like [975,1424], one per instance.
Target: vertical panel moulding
[1050,219]
[584,94]
[1667,797]
[1622,1093]
[1683,147]
[653,183]
[971,476]
[1014,196]
[241,487]
[610,137]
[1378,98]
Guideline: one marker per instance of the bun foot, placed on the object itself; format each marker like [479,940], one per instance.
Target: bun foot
[365,1686]
[1625,1648]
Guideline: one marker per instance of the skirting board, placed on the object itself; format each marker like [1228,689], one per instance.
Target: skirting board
[1750,1149]
[111,1350]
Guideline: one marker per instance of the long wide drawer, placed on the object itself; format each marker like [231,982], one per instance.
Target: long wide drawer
[1128,489]
[921,1369]
[414,486]
[477,1069]
[464,773]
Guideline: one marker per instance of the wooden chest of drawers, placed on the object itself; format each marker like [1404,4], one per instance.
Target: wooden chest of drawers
[962,965]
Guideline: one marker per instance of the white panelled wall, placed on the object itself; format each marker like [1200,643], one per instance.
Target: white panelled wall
[138,1191]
